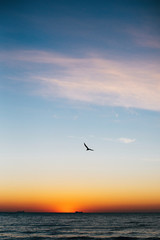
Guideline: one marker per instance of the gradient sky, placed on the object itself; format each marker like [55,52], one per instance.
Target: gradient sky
[74,72]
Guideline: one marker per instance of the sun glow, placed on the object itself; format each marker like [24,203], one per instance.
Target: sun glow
[115,201]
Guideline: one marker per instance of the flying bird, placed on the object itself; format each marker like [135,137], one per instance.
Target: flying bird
[87,148]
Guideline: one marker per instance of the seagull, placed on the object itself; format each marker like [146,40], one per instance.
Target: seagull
[87,148]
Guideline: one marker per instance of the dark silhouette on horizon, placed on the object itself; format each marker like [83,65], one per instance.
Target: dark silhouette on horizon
[77,212]
[87,148]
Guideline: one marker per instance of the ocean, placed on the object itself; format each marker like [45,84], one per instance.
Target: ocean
[88,226]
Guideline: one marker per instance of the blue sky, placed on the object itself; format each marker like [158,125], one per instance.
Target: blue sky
[74,72]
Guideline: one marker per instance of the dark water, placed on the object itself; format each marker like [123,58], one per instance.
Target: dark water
[79,226]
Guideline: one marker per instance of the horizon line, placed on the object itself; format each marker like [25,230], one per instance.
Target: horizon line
[79,212]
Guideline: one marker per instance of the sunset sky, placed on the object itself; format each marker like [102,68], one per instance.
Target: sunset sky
[74,72]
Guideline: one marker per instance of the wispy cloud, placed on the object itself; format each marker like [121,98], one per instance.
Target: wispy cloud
[80,137]
[126,140]
[145,37]
[92,79]
[121,140]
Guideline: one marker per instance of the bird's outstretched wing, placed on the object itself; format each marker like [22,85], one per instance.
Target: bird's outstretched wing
[85,145]
[87,148]
[90,149]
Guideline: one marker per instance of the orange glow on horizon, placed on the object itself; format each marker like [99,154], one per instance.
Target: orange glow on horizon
[86,199]
[71,209]
[85,205]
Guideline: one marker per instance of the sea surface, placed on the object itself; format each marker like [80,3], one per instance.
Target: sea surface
[41,226]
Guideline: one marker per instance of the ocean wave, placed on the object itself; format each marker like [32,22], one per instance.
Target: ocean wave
[77,238]
[106,238]
[83,227]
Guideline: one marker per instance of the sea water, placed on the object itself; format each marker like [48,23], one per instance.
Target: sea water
[114,226]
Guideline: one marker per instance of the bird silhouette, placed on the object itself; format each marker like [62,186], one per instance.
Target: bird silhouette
[87,148]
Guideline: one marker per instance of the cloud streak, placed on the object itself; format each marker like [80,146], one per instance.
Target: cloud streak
[145,37]
[126,140]
[121,140]
[92,79]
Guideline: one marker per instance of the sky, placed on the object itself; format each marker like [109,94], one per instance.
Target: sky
[74,72]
